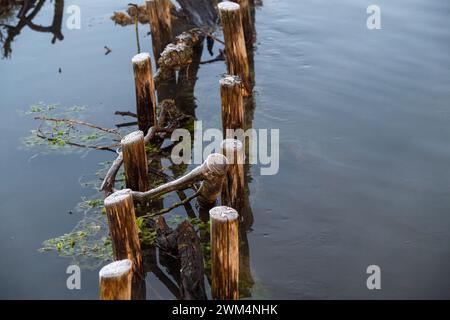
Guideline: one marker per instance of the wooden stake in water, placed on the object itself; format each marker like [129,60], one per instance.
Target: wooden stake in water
[233,191]
[247,23]
[123,229]
[237,61]
[145,91]
[232,104]
[135,161]
[224,253]
[115,280]
[160,25]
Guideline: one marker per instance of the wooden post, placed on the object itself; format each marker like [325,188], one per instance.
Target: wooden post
[145,91]
[247,22]
[232,104]
[233,191]
[135,161]
[160,25]
[115,280]
[123,229]
[211,187]
[224,253]
[237,62]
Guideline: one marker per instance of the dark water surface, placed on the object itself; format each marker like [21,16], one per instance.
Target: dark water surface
[365,147]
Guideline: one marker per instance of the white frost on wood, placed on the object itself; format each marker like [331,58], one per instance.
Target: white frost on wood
[223,213]
[141,58]
[115,269]
[133,137]
[230,80]
[228,6]
[117,196]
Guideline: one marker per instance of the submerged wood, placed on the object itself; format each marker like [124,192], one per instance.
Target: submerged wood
[123,229]
[224,253]
[184,243]
[115,280]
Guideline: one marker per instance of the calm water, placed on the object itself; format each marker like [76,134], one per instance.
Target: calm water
[365,155]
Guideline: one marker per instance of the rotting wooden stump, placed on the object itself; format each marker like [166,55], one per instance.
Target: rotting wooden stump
[247,22]
[135,161]
[214,177]
[160,25]
[224,253]
[232,104]
[115,280]
[123,229]
[177,54]
[237,61]
[234,185]
[145,91]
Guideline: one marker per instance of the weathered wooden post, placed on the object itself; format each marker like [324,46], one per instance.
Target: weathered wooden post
[160,25]
[123,229]
[232,104]
[135,161]
[237,61]
[145,91]
[247,22]
[224,253]
[211,187]
[115,280]
[233,191]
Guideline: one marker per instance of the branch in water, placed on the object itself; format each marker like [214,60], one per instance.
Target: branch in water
[173,206]
[81,123]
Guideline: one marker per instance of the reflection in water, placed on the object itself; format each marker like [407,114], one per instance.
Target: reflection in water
[27,10]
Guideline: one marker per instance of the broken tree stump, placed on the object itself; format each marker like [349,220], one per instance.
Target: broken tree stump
[224,253]
[135,161]
[160,25]
[123,229]
[115,280]
[233,33]
[145,91]
[232,105]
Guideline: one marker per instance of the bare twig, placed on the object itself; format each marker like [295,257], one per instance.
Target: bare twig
[126,113]
[41,135]
[81,123]
[173,206]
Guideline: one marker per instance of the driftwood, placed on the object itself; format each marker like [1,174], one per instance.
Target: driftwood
[177,54]
[184,243]
[211,173]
